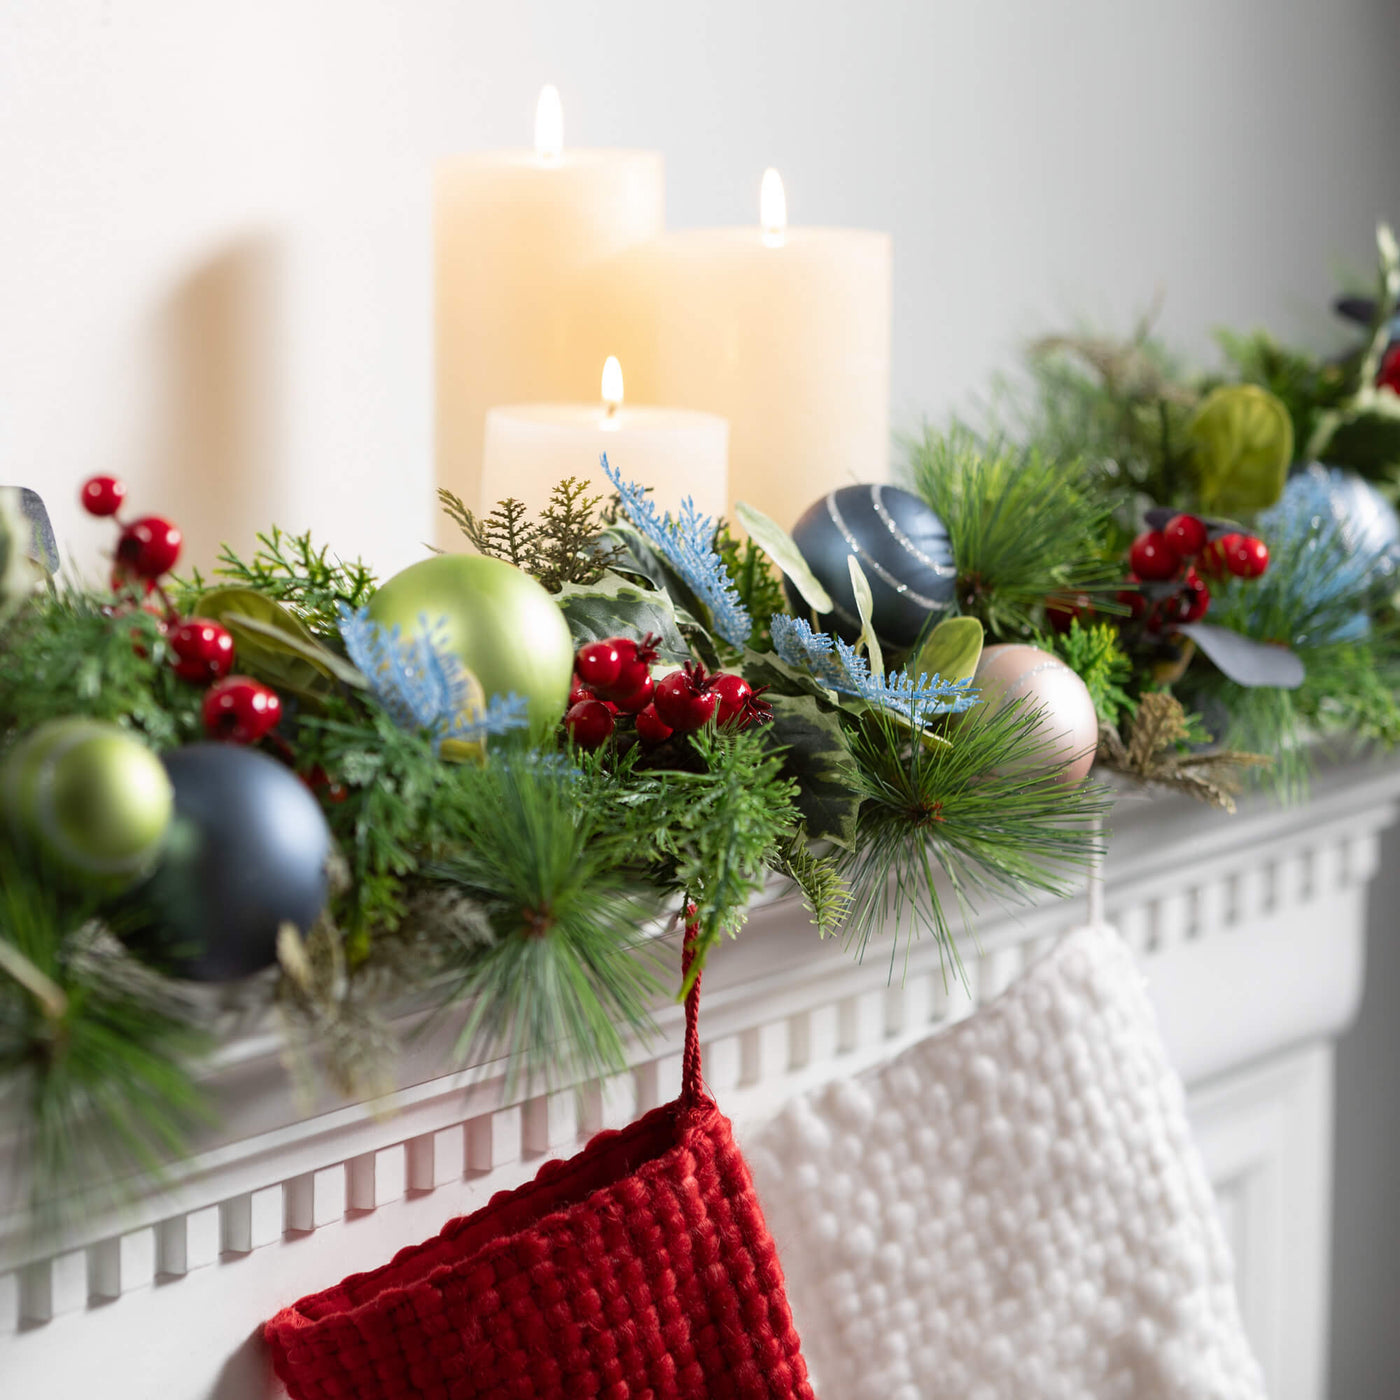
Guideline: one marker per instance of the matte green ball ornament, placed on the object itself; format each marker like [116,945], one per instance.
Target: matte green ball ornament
[495,619]
[90,797]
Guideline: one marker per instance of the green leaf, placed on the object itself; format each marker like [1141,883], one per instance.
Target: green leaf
[819,757]
[1243,440]
[768,669]
[865,606]
[615,607]
[273,644]
[952,650]
[783,550]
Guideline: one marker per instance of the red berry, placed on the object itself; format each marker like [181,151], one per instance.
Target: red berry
[1247,556]
[650,729]
[203,650]
[1194,599]
[1388,376]
[149,547]
[103,495]
[634,666]
[734,693]
[685,699]
[241,710]
[640,698]
[1060,612]
[1152,557]
[1133,598]
[1212,558]
[1186,534]
[598,663]
[578,692]
[590,724]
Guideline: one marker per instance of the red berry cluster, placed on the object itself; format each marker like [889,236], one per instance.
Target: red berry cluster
[613,677]
[236,708]
[1178,554]
[1388,376]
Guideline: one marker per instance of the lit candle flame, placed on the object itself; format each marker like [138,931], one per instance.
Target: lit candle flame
[549,124]
[772,208]
[612,384]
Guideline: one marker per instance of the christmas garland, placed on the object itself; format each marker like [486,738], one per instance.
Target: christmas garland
[474,787]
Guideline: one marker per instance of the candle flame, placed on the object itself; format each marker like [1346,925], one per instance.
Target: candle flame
[549,124]
[612,383]
[772,208]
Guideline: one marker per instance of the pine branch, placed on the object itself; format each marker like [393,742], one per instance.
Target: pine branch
[988,810]
[1023,527]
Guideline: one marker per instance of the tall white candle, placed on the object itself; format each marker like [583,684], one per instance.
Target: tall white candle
[519,237]
[678,452]
[786,333]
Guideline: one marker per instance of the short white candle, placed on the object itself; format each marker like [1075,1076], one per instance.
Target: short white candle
[519,237]
[530,447]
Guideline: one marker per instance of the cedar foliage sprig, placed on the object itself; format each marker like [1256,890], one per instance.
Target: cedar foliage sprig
[561,546]
[1022,526]
[1096,655]
[312,582]
[75,653]
[988,809]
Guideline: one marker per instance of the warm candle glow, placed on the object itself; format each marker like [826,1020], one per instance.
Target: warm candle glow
[772,208]
[612,383]
[549,124]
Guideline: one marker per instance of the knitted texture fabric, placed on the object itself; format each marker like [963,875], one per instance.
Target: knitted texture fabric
[640,1269]
[1011,1208]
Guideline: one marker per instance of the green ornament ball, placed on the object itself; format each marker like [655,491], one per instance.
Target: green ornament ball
[495,619]
[90,797]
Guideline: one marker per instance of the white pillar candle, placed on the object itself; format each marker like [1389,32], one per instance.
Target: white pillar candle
[519,237]
[678,452]
[786,333]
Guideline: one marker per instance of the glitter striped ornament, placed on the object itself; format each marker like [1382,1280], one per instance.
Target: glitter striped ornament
[902,547]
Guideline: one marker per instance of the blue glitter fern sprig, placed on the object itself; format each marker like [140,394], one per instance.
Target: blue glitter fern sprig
[421,684]
[687,545]
[839,667]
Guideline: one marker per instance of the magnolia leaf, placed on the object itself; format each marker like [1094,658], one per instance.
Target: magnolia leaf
[312,651]
[273,644]
[615,607]
[951,651]
[818,756]
[782,549]
[1243,441]
[1245,661]
[865,606]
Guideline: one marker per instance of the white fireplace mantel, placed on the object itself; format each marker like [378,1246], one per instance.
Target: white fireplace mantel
[1250,929]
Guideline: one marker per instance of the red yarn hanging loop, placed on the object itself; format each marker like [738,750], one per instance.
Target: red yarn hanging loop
[692,1083]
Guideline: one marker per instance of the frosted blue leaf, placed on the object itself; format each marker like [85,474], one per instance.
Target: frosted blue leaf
[839,667]
[686,544]
[421,684]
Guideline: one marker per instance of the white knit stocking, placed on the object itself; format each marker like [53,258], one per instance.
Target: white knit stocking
[1012,1209]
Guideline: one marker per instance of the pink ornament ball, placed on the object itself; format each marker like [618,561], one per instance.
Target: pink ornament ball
[1011,672]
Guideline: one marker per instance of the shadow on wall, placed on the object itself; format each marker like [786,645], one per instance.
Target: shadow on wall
[216,465]
[247,1374]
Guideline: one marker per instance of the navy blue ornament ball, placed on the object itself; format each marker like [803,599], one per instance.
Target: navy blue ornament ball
[246,852]
[902,548]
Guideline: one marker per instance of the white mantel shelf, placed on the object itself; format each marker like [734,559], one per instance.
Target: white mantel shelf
[1251,930]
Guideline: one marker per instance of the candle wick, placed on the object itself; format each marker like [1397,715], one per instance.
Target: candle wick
[612,407]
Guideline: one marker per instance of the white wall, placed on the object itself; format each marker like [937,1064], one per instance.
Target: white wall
[214,271]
